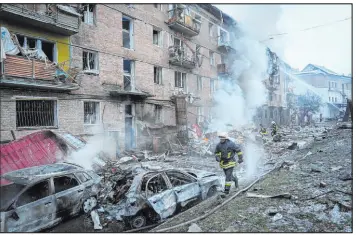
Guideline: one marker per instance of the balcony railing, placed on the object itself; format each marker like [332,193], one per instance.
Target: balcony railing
[187,24]
[63,20]
[22,72]
[225,46]
[179,57]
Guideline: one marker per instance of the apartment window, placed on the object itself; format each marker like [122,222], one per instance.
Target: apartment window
[90,61]
[335,99]
[91,112]
[36,113]
[211,33]
[271,113]
[329,99]
[88,14]
[157,72]
[223,36]
[179,79]
[157,37]
[199,83]
[128,75]
[158,6]
[270,96]
[212,58]
[127,32]
[200,117]
[158,113]
[212,86]
[49,48]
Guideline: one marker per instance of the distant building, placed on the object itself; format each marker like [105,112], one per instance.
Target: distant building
[333,88]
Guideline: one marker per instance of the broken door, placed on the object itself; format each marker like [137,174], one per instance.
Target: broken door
[160,197]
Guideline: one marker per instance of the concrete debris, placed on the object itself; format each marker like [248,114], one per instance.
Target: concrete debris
[277,217]
[277,138]
[315,168]
[322,184]
[292,146]
[96,220]
[194,228]
[336,168]
[272,211]
[346,177]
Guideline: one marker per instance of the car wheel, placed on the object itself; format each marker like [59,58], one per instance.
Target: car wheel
[212,191]
[89,204]
[138,221]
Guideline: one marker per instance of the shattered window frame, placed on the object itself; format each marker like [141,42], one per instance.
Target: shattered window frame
[200,116]
[71,176]
[157,40]
[188,177]
[199,83]
[212,86]
[180,79]
[157,74]
[38,193]
[127,34]
[128,76]
[150,178]
[158,113]
[90,61]
[91,112]
[212,58]
[89,14]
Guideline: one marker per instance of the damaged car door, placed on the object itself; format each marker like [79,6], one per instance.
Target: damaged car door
[186,187]
[33,209]
[69,195]
[160,196]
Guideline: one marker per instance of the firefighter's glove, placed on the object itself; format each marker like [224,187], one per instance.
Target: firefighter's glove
[240,159]
[217,158]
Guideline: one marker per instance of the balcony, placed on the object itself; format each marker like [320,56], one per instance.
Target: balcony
[21,72]
[62,20]
[272,86]
[224,70]
[179,57]
[187,24]
[225,46]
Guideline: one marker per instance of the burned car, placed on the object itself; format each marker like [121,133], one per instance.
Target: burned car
[148,196]
[39,197]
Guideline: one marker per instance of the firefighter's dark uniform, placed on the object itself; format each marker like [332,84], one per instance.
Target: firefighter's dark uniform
[225,155]
[274,130]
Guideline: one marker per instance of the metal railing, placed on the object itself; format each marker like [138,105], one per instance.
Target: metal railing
[177,15]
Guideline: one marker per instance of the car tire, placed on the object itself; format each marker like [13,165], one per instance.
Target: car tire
[211,192]
[89,204]
[138,221]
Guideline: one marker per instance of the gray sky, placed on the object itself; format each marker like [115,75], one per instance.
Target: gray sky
[328,46]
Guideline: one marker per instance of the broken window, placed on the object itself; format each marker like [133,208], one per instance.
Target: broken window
[199,83]
[48,48]
[91,112]
[83,177]
[212,86]
[270,96]
[88,14]
[177,178]
[127,32]
[157,73]
[64,183]
[179,79]
[224,36]
[212,58]
[200,117]
[36,113]
[177,42]
[158,113]
[271,113]
[128,110]
[90,61]
[157,37]
[155,185]
[128,74]
[34,193]
[335,99]
[329,99]
[211,33]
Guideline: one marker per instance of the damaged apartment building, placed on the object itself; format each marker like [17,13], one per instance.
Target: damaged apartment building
[142,73]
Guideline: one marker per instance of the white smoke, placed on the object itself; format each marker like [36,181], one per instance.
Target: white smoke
[89,154]
[239,96]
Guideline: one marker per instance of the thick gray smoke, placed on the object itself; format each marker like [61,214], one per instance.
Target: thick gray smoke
[239,96]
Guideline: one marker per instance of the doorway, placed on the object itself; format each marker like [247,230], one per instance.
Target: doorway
[129,130]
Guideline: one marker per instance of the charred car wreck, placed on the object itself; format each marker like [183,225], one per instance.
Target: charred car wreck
[39,197]
[145,197]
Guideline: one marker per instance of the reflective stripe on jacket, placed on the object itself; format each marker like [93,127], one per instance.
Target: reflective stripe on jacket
[226,152]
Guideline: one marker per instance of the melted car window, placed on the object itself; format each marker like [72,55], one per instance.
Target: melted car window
[178,178]
[64,183]
[156,185]
[34,193]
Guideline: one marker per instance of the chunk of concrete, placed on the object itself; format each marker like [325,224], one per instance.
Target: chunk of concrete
[194,228]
